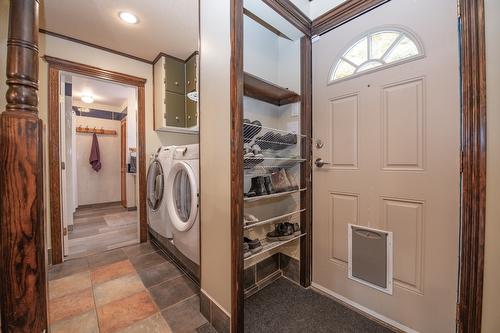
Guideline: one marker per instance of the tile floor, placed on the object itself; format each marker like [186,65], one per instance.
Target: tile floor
[99,229]
[134,289]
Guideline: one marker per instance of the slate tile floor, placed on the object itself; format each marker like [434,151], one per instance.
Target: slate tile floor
[134,289]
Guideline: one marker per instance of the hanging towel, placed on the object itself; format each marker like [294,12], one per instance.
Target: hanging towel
[95,156]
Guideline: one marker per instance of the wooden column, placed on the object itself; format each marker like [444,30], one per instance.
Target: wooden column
[473,70]
[23,276]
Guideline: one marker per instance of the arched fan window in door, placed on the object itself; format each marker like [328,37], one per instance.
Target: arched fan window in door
[375,50]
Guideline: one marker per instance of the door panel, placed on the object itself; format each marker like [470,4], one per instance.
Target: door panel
[175,114]
[175,75]
[392,138]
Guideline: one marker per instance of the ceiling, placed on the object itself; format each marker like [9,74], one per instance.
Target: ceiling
[105,93]
[168,26]
[315,8]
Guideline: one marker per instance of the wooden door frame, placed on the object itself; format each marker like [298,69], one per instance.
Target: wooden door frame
[123,162]
[473,128]
[55,67]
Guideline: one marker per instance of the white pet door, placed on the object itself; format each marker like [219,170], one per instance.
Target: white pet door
[370,257]
[183,196]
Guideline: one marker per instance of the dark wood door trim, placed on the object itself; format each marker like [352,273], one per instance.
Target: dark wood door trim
[306,168]
[57,65]
[292,14]
[237,203]
[473,70]
[22,257]
[343,13]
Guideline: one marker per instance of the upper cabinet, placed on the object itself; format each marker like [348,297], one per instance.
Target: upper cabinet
[175,75]
[176,98]
[191,70]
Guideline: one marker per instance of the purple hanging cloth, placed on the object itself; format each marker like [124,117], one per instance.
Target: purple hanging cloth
[95,156]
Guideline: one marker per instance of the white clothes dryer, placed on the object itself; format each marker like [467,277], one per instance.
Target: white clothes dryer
[159,167]
[182,200]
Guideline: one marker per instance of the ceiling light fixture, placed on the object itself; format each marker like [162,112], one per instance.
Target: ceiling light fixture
[87,99]
[128,17]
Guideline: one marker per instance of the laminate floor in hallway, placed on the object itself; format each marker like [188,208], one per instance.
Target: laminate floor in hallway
[134,289]
[102,228]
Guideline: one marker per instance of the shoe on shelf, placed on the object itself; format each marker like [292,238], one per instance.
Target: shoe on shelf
[290,139]
[246,251]
[281,232]
[268,184]
[280,181]
[296,229]
[294,186]
[257,151]
[249,219]
[247,151]
[257,187]
[254,245]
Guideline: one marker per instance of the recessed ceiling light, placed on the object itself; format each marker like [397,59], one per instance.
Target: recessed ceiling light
[128,17]
[87,99]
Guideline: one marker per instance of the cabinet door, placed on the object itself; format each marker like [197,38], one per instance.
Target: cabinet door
[191,113]
[175,109]
[191,74]
[175,75]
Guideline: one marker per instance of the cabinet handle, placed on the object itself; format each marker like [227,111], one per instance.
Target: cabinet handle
[176,83]
[189,82]
[177,118]
[189,117]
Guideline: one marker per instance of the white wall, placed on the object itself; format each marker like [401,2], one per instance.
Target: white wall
[105,185]
[316,8]
[215,153]
[491,294]
[271,57]
[130,179]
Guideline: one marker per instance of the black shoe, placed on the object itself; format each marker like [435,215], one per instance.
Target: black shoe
[268,185]
[257,188]
[254,245]
[281,232]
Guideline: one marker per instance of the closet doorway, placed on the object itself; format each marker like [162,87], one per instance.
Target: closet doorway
[96,126]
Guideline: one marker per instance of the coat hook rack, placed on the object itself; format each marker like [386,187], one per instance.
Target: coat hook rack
[101,131]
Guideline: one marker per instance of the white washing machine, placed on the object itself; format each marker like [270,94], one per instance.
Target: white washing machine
[159,166]
[182,200]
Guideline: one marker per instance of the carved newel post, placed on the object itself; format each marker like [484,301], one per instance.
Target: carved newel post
[22,267]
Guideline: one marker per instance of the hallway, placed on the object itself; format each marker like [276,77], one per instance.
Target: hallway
[134,289]
[101,228]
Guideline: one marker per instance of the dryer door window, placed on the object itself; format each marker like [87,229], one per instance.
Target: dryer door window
[182,201]
[182,195]
[155,185]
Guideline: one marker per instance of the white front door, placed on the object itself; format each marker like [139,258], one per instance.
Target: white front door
[391,133]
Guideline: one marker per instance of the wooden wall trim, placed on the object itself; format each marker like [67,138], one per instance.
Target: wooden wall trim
[292,14]
[56,65]
[22,244]
[54,163]
[96,72]
[237,203]
[141,124]
[342,14]
[306,168]
[103,48]
[473,69]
